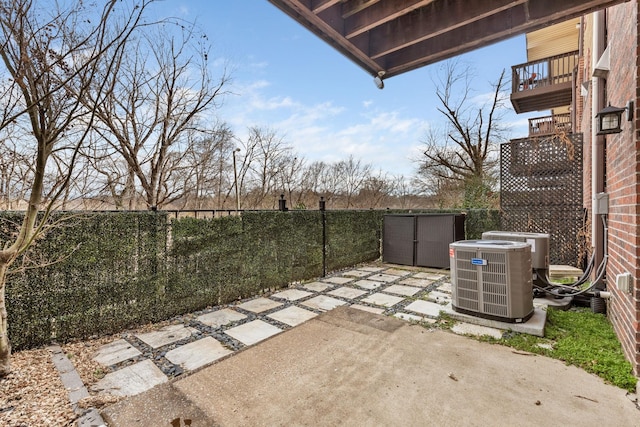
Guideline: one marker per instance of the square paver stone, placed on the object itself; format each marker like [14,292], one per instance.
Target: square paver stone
[430,276]
[375,310]
[382,299]
[439,297]
[115,352]
[218,318]
[292,316]
[368,284]
[338,280]
[412,281]
[463,328]
[371,269]
[258,305]
[292,294]
[407,291]
[414,318]
[356,273]
[445,287]
[167,335]
[323,303]
[131,380]
[425,307]
[253,332]
[383,277]
[348,293]
[397,272]
[198,353]
[316,286]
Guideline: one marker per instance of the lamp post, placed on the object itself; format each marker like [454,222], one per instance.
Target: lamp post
[235,179]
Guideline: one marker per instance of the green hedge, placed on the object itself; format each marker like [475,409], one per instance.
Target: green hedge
[109,271]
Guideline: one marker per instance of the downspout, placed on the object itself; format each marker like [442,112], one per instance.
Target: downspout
[597,141]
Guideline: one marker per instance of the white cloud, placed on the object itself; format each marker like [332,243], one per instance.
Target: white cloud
[325,131]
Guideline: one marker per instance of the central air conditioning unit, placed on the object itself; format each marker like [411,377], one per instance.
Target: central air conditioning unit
[539,250]
[492,279]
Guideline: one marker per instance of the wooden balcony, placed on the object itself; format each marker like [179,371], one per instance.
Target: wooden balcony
[543,84]
[550,125]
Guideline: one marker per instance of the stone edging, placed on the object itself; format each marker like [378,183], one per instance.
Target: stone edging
[75,387]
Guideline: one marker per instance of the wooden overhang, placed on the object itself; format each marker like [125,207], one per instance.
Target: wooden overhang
[390,37]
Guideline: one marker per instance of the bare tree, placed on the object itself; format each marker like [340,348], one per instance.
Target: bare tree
[351,175]
[208,156]
[265,154]
[376,191]
[15,174]
[464,153]
[160,92]
[50,54]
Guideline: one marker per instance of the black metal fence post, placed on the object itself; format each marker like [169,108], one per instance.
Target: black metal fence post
[322,207]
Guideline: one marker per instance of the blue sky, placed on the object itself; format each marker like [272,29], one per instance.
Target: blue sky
[326,107]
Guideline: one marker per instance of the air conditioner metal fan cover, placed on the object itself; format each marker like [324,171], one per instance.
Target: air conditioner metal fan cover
[492,279]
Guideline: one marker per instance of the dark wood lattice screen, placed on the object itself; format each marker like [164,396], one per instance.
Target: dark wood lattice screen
[541,192]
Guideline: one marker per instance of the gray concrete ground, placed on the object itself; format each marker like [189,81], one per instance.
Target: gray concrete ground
[354,368]
[350,366]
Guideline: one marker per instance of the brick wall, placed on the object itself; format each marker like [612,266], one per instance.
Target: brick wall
[622,172]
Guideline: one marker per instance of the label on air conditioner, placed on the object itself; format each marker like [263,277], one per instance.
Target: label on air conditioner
[478,261]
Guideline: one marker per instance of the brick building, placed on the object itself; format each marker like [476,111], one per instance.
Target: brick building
[583,55]
[579,67]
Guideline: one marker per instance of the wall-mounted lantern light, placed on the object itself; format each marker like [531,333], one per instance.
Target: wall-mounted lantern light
[609,120]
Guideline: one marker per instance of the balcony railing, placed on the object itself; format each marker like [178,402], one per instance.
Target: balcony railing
[549,125]
[543,84]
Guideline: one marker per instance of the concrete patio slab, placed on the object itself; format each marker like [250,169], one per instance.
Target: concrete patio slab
[381,277]
[420,283]
[368,284]
[292,294]
[346,292]
[367,308]
[131,380]
[356,273]
[317,286]
[156,408]
[115,352]
[353,368]
[253,332]
[167,335]
[323,303]
[382,299]
[425,307]
[259,305]
[223,317]
[198,353]
[463,328]
[292,316]
[338,280]
[403,290]
[533,326]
